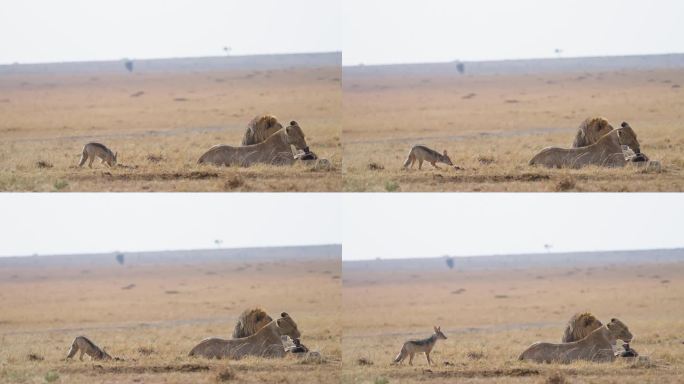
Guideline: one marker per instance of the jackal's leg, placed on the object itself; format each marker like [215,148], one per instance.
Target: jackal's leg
[420,163]
[427,355]
[90,164]
[410,358]
[80,357]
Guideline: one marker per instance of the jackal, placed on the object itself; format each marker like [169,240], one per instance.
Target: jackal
[84,345]
[93,150]
[412,347]
[423,153]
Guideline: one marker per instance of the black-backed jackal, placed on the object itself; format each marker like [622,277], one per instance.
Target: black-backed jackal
[84,345]
[93,150]
[423,153]
[412,347]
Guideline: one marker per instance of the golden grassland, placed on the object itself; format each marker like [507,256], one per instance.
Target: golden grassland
[160,123]
[491,315]
[492,125]
[152,315]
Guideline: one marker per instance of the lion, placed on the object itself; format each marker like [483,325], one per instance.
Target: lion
[607,151]
[596,347]
[579,326]
[250,321]
[260,128]
[266,342]
[590,131]
[276,150]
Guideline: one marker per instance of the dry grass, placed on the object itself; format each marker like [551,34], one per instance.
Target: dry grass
[44,308]
[384,308]
[491,139]
[160,123]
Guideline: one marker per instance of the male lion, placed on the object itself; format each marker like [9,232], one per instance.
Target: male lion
[607,151]
[590,131]
[274,150]
[597,347]
[250,321]
[260,128]
[579,326]
[266,342]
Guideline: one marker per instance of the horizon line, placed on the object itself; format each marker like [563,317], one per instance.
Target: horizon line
[86,61]
[513,254]
[96,253]
[538,58]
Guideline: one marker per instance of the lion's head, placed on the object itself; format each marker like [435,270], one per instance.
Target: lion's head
[627,137]
[295,136]
[590,131]
[260,128]
[287,326]
[619,330]
[250,321]
[580,326]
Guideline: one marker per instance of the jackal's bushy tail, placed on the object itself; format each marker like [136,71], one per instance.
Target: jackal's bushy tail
[84,157]
[72,350]
[400,356]
[409,160]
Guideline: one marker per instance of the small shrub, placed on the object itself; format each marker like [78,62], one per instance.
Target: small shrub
[61,184]
[375,167]
[226,374]
[152,158]
[565,184]
[146,351]
[51,377]
[391,186]
[485,159]
[363,361]
[381,380]
[34,357]
[234,182]
[475,355]
[556,377]
[43,164]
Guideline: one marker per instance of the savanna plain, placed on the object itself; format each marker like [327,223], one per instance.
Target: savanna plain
[493,308]
[152,310]
[160,117]
[495,116]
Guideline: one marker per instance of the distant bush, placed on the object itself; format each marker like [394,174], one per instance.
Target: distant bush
[51,377]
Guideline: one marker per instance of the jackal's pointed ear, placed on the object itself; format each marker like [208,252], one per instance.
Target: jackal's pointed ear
[284,314]
[435,328]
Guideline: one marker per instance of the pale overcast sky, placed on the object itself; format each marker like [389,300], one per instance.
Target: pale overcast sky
[105,222]
[82,30]
[436,224]
[407,31]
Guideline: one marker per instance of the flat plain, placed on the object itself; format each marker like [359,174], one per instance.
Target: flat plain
[495,116]
[154,308]
[160,118]
[492,308]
